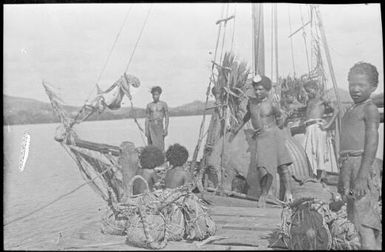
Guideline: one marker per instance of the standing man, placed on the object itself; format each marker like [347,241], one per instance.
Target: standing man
[155,112]
[359,179]
[272,155]
[318,142]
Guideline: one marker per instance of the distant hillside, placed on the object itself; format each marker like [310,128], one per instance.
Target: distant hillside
[19,110]
[193,108]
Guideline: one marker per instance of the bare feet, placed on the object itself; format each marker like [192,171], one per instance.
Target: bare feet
[262,201]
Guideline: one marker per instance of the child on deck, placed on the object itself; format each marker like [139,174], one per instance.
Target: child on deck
[176,176]
[150,157]
[359,182]
[272,154]
[318,146]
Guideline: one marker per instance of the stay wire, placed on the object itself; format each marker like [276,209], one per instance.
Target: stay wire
[57,199]
[128,64]
[139,37]
[113,45]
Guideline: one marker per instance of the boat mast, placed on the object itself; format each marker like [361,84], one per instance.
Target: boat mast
[331,70]
[258,60]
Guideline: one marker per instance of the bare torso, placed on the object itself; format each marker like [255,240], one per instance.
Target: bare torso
[176,177]
[156,110]
[353,127]
[315,108]
[262,114]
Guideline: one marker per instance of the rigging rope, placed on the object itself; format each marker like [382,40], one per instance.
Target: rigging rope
[201,129]
[57,199]
[224,33]
[304,39]
[137,41]
[108,56]
[128,64]
[291,41]
[105,64]
[113,45]
[232,38]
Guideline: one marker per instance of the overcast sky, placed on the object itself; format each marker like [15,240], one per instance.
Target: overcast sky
[67,45]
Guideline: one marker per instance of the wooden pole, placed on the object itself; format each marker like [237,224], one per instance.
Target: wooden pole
[276,42]
[258,39]
[330,65]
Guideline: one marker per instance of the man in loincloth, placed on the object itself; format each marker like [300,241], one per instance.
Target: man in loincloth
[359,181]
[271,151]
[318,141]
[155,112]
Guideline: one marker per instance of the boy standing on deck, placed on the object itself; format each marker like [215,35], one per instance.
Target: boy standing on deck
[155,112]
[318,146]
[272,154]
[359,181]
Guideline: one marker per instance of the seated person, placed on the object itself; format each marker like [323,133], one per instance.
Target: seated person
[150,157]
[176,176]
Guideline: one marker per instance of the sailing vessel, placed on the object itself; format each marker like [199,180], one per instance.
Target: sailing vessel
[108,169]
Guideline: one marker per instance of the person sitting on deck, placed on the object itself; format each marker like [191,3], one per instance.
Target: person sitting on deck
[359,181]
[272,154]
[318,146]
[176,176]
[150,157]
[155,112]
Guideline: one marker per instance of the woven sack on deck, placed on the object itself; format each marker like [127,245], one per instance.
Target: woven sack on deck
[113,225]
[146,230]
[199,224]
[309,229]
[175,222]
[344,234]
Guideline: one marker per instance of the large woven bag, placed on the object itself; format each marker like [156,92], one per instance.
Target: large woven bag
[199,224]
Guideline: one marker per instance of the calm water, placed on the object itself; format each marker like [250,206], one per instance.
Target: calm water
[50,172]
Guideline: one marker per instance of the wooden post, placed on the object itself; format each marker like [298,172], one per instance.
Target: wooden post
[330,65]
[128,161]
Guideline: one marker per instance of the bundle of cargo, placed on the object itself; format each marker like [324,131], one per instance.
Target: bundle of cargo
[312,224]
[151,219]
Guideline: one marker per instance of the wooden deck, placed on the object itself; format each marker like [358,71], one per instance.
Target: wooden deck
[239,222]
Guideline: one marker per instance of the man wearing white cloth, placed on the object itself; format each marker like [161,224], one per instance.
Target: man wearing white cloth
[318,141]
